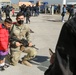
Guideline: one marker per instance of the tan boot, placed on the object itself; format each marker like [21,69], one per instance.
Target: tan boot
[27,63]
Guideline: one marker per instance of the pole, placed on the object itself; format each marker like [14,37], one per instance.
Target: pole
[52,9]
[63,3]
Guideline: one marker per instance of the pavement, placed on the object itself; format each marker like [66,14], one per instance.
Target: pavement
[46,29]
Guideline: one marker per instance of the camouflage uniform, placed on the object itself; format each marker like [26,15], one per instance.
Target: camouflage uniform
[20,32]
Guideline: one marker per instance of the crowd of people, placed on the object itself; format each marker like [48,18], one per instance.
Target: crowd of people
[28,11]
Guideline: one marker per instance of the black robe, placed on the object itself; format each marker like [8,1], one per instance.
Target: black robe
[65,52]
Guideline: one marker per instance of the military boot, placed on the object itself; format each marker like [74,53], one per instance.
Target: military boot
[27,63]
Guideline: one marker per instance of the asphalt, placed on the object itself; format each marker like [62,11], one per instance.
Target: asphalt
[46,30]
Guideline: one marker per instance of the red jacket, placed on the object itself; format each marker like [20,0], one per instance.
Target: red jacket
[4,36]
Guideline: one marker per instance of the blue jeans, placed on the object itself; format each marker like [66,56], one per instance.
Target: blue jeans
[63,17]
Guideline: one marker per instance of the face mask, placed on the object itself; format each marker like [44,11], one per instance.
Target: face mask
[20,21]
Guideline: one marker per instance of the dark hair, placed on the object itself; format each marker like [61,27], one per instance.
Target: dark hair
[20,14]
[8,20]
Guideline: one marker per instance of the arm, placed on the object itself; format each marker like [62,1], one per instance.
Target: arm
[27,35]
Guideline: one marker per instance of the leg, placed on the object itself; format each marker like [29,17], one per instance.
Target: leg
[31,53]
[2,62]
[26,19]
[62,18]
[6,16]
[69,16]
[29,19]
[15,57]
[9,15]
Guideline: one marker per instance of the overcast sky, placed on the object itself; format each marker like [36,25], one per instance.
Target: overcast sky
[50,1]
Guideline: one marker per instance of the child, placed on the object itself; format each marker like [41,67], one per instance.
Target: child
[4,41]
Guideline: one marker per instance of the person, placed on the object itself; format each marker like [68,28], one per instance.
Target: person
[4,42]
[63,12]
[28,15]
[21,31]
[58,8]
[7,11]
[71,12]
[22,8]
[65,52]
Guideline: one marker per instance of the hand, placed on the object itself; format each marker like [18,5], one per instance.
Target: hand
[18,44]
[52,58]
[30,44]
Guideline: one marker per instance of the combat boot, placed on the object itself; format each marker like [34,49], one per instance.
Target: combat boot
[27,63]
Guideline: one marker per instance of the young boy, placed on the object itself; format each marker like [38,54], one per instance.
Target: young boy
[4,41]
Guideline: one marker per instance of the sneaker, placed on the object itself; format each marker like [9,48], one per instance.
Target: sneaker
[27,63]
[2,68]
[6,65]
[63,21]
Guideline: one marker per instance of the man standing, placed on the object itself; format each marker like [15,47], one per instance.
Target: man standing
[71,12]
[28,15]
[63,12]
[7,11]
[21,31]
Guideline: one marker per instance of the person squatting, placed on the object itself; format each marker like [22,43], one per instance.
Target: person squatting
[21,31]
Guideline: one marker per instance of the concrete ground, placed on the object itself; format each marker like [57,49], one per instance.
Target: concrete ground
[46,31]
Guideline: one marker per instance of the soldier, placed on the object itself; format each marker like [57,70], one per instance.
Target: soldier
[21,31]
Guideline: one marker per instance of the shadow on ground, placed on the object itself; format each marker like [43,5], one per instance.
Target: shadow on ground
[42,62]
[44,66]
[40,59]
[55,20]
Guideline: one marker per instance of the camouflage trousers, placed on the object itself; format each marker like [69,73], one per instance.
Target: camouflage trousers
[16,54]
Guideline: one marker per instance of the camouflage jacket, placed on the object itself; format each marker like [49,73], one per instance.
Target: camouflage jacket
[20,32]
